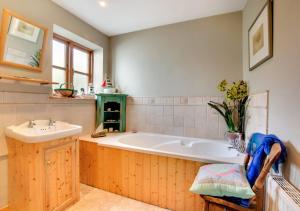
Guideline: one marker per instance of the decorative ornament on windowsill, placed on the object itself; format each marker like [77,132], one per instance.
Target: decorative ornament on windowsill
[233,110]
[107,86]
[65,91]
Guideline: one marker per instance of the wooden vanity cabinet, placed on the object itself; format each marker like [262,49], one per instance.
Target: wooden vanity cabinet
[43,176]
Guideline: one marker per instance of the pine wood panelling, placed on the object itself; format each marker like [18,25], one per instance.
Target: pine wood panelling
[199,202]
[162,181]
[139,176]
[125,173]
[98,163]
[147,177]
[158,180]
[153,179]
[189,179]
[131,181]
[179,184]
[171,183]
[43,176]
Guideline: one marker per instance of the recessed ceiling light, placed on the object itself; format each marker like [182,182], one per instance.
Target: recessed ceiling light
[102,3]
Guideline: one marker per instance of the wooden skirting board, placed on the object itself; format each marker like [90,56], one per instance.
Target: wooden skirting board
[153,179]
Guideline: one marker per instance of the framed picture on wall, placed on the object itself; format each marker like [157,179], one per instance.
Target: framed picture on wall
[23,30]
[260,37]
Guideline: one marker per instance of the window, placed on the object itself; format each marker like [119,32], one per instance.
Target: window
[71,63]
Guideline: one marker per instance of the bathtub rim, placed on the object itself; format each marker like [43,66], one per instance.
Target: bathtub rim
[111,140]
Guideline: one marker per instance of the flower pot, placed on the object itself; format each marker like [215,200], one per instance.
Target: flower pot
[236,140]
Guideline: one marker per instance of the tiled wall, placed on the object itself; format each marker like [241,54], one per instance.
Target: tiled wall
[257,114]
[191,116]
[16,108]
[182,116]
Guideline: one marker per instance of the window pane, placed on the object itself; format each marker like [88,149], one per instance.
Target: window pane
[80,61]
[59,54]
[58,76]
[80,81]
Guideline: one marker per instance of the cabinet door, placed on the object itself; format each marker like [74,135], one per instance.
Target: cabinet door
[60,176]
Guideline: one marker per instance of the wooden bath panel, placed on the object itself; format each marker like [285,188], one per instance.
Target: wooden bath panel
[153,179]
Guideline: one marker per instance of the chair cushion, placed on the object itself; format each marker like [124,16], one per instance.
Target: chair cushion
[222,180]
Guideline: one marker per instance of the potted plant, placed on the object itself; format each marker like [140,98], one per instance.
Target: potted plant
[233,109]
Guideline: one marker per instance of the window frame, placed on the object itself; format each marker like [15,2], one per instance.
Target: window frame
[70,45]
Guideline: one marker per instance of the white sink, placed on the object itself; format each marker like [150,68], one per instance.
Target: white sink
[41,131]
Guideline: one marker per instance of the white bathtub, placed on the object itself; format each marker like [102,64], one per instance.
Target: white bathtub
[196,149]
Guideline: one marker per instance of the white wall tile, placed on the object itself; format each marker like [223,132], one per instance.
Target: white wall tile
[178,131]
[178,121]
[188,116]
[205,100]
[183,100]
[168,110]
[146,100]
[195,100]
[24,98]
[129,100]
[178,111]
[222,127]
[159,100]
[190,132]
[259,100]
[176,100]
[168,100]
[151,101]
[134,100]
[257,114]
[7,118]
[216,99]
[168,121]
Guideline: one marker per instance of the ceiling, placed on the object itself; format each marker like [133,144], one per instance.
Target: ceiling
[116,17]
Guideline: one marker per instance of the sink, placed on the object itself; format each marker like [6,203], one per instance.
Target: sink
[41,131]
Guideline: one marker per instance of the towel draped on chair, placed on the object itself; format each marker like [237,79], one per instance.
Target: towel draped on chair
[258,148]
[259,154]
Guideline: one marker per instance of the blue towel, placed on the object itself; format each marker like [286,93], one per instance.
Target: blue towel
[259,147]
[255,141]
[263,144]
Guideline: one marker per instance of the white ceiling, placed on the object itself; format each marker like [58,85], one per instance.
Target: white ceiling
[122,16]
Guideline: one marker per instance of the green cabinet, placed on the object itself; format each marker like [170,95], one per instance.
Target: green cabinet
[111,112]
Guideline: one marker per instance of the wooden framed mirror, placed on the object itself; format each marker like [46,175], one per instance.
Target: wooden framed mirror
[22,43]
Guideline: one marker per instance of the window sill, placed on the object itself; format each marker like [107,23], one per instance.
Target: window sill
[53,97]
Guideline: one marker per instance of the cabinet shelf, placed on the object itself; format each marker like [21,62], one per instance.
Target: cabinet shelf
[118,122]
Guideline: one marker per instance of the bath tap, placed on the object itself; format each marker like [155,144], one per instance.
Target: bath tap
[51,122]
[31,123]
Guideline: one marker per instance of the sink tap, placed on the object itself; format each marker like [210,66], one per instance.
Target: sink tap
[231,147]
[51,122]
[31,123]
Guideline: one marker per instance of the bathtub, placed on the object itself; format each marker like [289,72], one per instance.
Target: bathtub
[152,168]
[195,149]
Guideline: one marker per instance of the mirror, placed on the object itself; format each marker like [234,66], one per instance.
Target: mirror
[23,42]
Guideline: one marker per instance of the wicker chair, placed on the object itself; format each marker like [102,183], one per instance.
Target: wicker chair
[213,203]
